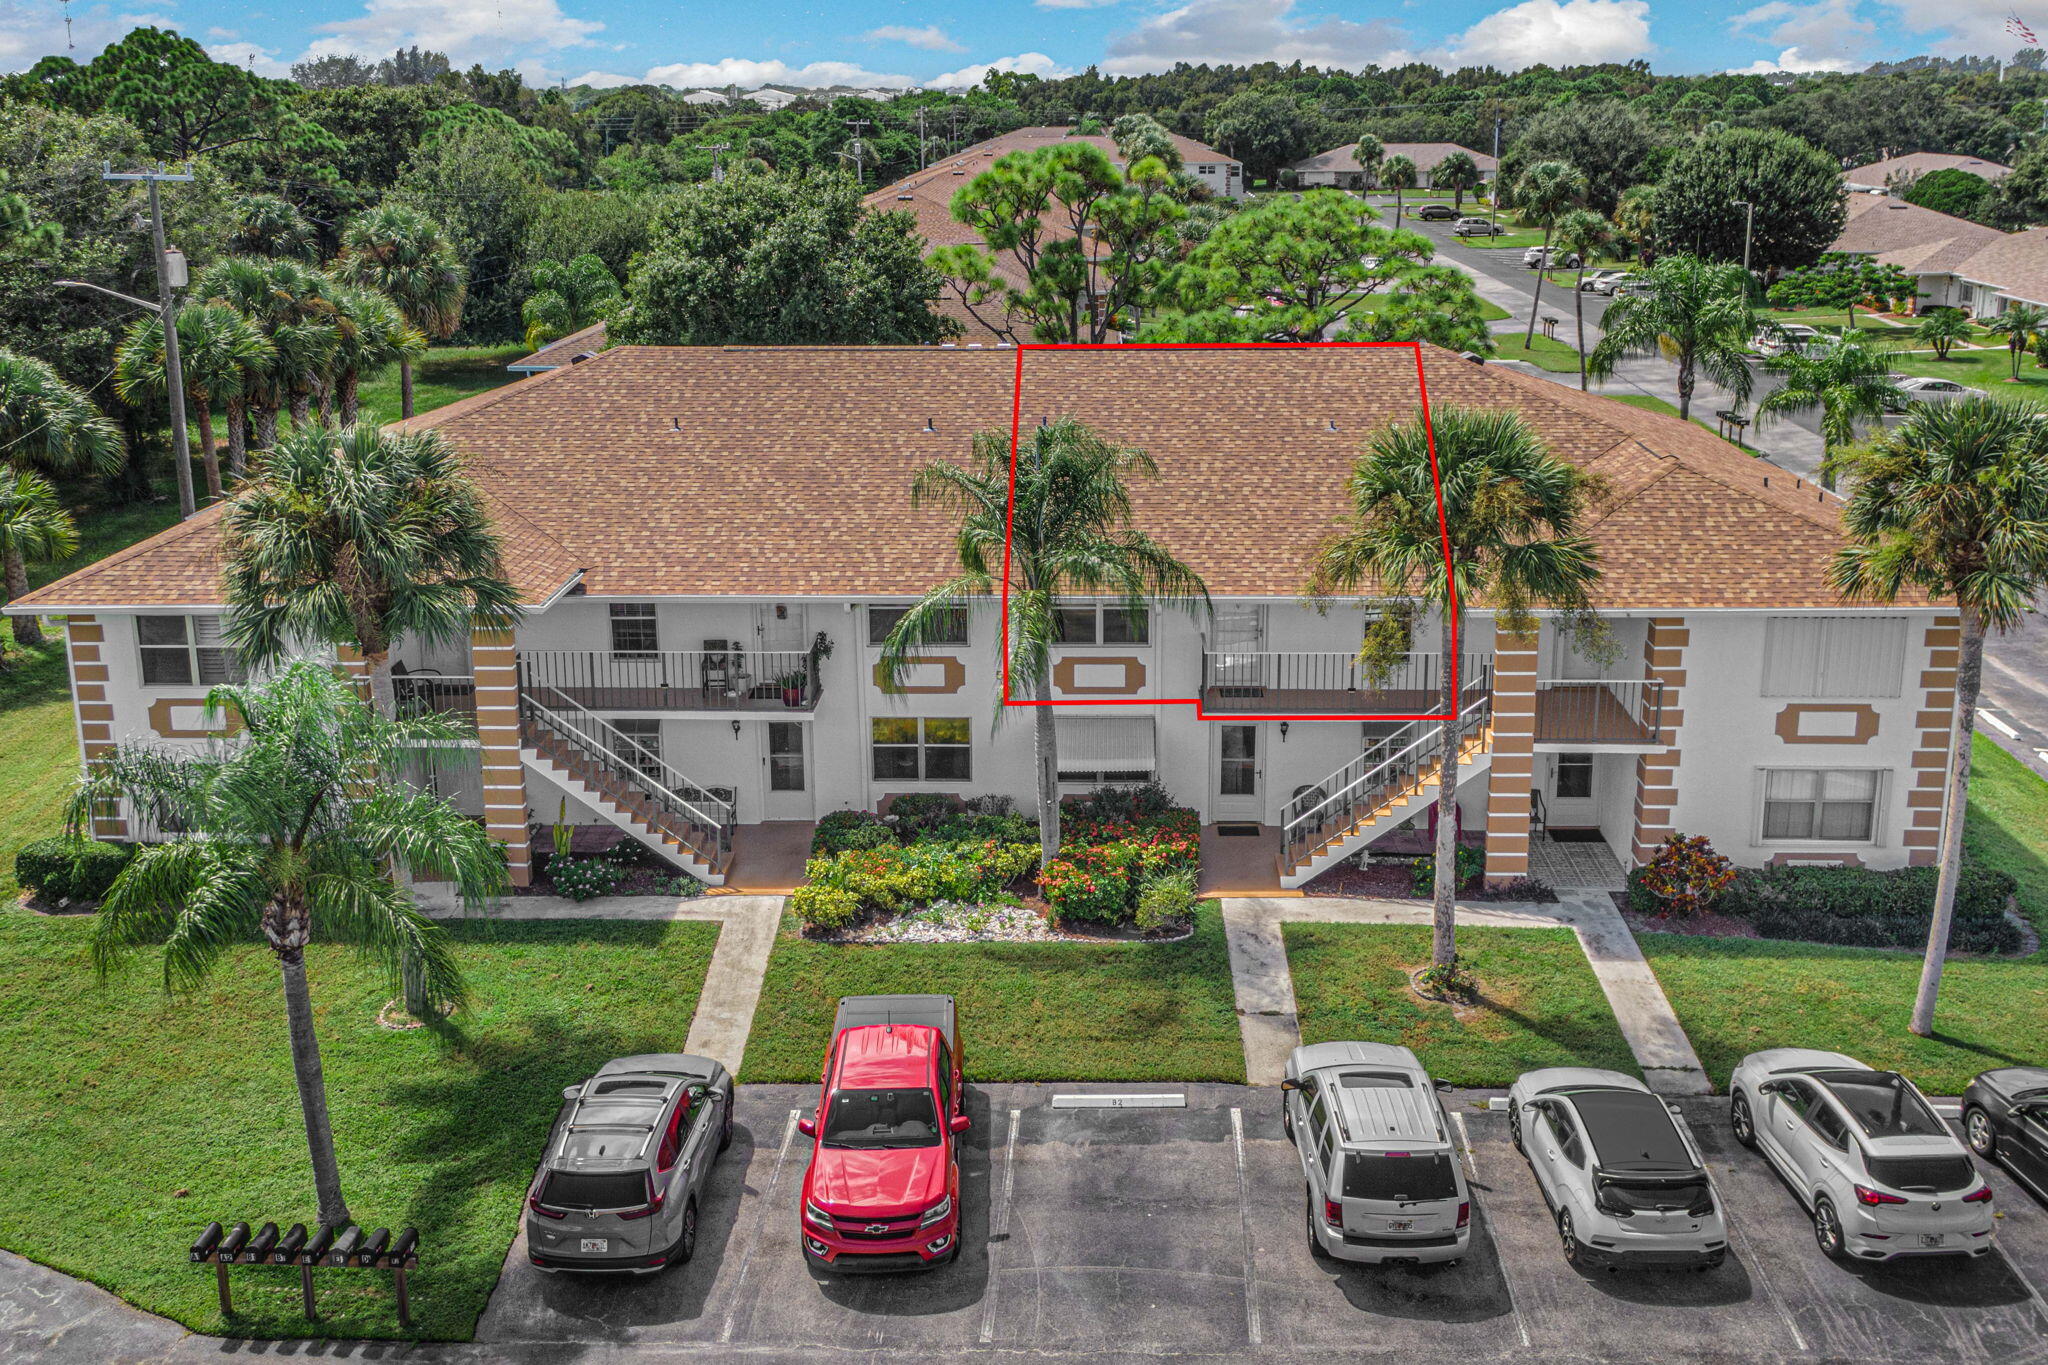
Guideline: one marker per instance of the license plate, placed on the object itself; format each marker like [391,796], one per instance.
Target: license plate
[1400,1225]
[602,1244]
[1932,1239]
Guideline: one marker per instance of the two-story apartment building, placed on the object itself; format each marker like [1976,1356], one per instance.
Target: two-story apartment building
[712,542]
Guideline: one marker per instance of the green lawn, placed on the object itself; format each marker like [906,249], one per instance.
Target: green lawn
[1858,1000]
[1542,1005]
[1513,241]
[1028,1011]
[1488,310]
[1987,369]
[1556,356]
[127,1121]
[445,374]
[1649,402]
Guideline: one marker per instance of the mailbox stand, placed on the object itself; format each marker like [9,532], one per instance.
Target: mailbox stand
[342,1247]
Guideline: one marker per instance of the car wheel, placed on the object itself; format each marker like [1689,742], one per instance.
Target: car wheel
[686,1245]
[1979,1133]
[1574,1253]
[1308,1205]
[1742,1122]
[1286,1121]
[1515,1129]
[725,1126]
[1827,1230]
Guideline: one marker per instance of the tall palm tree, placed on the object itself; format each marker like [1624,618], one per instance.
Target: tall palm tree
[1847,380]
[34,529]
[1542,194]
[1398,173]
[290,845]
[2017,323]
[221,352]
[1512,531]
[1635,218]
[1696,312]
[371,333]
[265,225]
[46,424]
[566,298]
[292,305]
[400,253]
[1580,233]
[1073,537]
[1458,173]
[1952,502]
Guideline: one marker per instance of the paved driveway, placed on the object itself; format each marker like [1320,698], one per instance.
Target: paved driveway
[1137,1233]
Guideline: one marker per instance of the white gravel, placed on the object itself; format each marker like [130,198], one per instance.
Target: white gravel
[960,922]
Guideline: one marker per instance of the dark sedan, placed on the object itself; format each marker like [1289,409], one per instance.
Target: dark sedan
[1436,212]
[2005,1118]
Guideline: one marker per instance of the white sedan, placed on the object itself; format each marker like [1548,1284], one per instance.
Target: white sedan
[1881,1174]
[1920,389]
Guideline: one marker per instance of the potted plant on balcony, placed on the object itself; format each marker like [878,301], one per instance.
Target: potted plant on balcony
[793,684]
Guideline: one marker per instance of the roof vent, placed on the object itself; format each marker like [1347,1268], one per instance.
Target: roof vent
[675,424]
[1330,424]
[928,425]
[906,196]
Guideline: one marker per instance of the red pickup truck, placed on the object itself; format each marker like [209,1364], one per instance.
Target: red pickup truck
[883,1188]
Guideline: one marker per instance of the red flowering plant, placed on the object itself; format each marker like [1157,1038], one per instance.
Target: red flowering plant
[1683,877]
[1106,859]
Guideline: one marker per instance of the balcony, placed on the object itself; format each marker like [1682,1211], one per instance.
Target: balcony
[674,680]
[430,693]
[1257,682]
[1595,711]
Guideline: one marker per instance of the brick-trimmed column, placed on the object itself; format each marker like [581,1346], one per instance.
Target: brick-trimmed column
[494,662]
[86,637]
[1943,642]
[350,660]
[1657,774]
[1512,771]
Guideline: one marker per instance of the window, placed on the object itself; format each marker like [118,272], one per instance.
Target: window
[1098,625]
[179,651]
[880,1118]
[1238,763]
[1574,777]
[633,628]
[1834,657]
[1402,1177]
[639,744]
[921,749]
[580,1190]
[945,1078]
[949,626]
[1829,1125]
[785,756]
[1834,804]
[1104,749]
[672,1139]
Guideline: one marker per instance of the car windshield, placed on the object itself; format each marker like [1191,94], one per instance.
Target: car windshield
[1883,1104]
[1923,1174]
[584,1190]
[1654,1196]
[1402,1177]
[880,1118]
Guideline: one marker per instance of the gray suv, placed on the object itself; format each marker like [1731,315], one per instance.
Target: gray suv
[627,1163]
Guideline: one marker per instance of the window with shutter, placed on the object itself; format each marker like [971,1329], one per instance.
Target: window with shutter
[1834,658]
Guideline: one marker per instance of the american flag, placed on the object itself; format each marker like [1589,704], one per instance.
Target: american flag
[2021,31]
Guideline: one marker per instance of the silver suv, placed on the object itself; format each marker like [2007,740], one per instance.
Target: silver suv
[627,1163]
[1384,1184]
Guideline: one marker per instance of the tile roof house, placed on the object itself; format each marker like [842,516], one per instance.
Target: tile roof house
[1339,166]
[1958,263]
[1898,171]
[711,543]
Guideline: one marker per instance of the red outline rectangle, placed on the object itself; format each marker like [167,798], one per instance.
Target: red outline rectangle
[1010,520]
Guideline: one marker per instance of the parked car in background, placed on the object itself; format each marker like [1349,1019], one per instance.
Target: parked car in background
[1478,227]
[1617,283]
[2005,1119]
[1550,258]
[882,1191]
[1436,212]
[626,1165]
[1881,1174]
[1919,389]
[1621,1175]
[1383,1181]
[1594,277]
[1779,338]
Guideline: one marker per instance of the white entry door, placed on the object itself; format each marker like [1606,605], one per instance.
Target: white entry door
[1237,763]
[787,771]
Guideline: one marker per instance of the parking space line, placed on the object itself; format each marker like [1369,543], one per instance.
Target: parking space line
[2020,1275]
[739,1283]
[998,1228]
[1244,1219]
[1756,1265]
[1500,1257]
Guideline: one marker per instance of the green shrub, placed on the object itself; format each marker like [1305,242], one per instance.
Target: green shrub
[844,829]
[825,907]
[972,828]
[581,879]
[1470,865]
[1865,908]
[902,877]
[1082,885]
[1165,898]
[1112,804]
[66,869]
[919,811]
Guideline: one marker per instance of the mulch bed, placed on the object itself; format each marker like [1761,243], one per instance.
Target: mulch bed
[1395,881]
[1699,926]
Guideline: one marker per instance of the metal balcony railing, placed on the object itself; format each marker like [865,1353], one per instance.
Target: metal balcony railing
[631,776]
[1254,681]
[1396,766]
[677,680]
[1599,710]
[437,693]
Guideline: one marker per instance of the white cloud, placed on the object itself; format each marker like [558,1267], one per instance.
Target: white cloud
[1218,31]
[494,32]
[1554,33]
[1829,35]
[931,37]
[1024,63]
[261,60]
[749,74]
[31,30]
[1798,61]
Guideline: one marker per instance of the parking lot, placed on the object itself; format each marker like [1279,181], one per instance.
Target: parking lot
[1141,1232]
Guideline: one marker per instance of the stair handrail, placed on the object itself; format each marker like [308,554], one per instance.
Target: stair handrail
[613,760]
[1405,764]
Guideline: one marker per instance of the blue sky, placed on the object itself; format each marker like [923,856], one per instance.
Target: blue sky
[903,42]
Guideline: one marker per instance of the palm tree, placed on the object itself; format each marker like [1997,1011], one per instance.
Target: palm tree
[1369,153]
[1635,218]
[401,254]
[1458,173]
[1073,537]
[46,424]
[1543,193]
[2017,323]
[1942,328]
[1580,233]
[371,333]
[1952,502]
[566,298]
[1397,173]
[290,845]
[292,306]
[221,352]
[1846,379]
[1512,525]
[1696,312]
[34,529]
[266,225]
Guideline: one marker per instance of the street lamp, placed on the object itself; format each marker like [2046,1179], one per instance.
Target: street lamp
[1748,222]
[172,274]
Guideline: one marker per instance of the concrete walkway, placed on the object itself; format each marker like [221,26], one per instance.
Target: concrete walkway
[1264,984]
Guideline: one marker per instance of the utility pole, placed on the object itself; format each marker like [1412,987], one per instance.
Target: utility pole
[718,171]
[1748,222]
[859,149]
[170,274]
[1493,200]
[920,137]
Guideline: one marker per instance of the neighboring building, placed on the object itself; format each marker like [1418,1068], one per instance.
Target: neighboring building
[768,97]
[707,97]
[572,349]
[1340,166]
[1957,263]
[711,542]
[1899,171]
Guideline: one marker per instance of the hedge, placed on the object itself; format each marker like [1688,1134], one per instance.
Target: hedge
[1864,908]
[61,868]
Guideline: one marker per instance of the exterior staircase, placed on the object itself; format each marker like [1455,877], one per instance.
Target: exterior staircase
[642,795]
[1387,785]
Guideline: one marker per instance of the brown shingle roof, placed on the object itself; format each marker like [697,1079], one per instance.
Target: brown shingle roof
[790,472]
[2015,264]
[1878,174]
